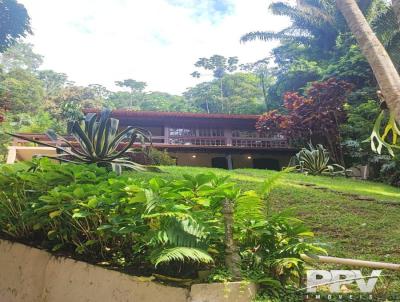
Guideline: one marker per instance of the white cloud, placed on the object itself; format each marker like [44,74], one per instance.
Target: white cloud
[157,41]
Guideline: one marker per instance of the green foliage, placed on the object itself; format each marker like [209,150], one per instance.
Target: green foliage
[241,94]
[172,226]
[359,117]
[99,141]
[181,254]
[151,101]
[219,65]
[15,23]
[133,85]
[21,56]
[387,136]
[160,158]
[314,161]
[20,91]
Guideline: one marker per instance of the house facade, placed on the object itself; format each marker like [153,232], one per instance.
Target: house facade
[211,140]
[194,139]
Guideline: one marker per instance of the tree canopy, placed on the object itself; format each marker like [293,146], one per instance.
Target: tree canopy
[14,23]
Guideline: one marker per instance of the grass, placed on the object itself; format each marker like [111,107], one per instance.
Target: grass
[350,228]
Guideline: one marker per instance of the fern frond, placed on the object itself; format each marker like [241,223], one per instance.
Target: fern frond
[187,233]
[249,206]
[270,183]
[181,254]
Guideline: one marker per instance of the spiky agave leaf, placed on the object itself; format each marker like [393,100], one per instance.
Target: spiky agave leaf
[315,161]
[98,141]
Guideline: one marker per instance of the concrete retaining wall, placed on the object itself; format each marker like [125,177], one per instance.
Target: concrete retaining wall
[32,275]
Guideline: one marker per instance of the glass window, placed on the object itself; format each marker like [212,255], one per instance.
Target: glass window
[182,132]
[244,133]
[211,132]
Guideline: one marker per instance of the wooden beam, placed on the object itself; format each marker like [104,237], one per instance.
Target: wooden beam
[350,262]
[12,155]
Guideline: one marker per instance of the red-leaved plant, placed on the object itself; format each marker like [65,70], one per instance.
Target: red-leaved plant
[315,117]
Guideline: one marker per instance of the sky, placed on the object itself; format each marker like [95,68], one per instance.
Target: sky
[155,41]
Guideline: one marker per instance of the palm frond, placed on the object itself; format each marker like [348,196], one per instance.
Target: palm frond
[262,36]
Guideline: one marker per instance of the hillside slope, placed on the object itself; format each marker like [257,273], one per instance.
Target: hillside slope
[356,219]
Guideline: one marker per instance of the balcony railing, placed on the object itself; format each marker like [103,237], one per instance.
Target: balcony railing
[237,142]
[260,142]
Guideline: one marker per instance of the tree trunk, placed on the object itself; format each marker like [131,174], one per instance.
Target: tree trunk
[380,62]
[232,257]
[264,91]
[222,95]
[396,9]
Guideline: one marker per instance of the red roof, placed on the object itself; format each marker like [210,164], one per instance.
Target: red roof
[152,114]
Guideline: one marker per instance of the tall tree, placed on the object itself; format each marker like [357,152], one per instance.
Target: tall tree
[220,66]
[14,23]
[53,82]
[21,55]
[135,87]
[396,8]
[262,70]
[241,91]
[315,27]
[381,64]
[21,91]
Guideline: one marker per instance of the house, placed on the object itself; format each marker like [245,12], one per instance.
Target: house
[209,140]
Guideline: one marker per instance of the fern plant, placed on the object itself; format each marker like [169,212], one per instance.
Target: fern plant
[389,137]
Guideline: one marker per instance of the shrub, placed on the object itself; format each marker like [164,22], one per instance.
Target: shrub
[175,226]
[317,115]
[315,161]
[161,158]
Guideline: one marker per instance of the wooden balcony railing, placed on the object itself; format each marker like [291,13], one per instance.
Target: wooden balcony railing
[259,143]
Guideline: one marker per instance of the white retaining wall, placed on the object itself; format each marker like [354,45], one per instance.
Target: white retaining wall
[32,275]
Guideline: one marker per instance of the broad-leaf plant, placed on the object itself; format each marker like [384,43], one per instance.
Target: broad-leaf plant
[97,141]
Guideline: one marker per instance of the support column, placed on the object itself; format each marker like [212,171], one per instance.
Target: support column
[166,134]
[228,136]
[229,160]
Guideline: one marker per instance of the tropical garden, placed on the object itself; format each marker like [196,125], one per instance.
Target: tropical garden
[331,86]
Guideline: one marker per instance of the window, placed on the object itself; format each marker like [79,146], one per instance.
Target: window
[244,133]
[211,132]
[182,132]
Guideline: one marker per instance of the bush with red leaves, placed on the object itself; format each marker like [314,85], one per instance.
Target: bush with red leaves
[316,116]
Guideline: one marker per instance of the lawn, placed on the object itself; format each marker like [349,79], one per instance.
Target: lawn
[361,229]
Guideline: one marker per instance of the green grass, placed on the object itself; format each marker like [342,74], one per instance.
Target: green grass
[350,228]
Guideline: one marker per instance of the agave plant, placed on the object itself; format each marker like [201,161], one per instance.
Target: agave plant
[98,142]
[314,161]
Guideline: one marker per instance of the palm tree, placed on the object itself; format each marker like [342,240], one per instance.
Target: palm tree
[396,8]
[386,27]
[316,24]
[379,60]
[313,23]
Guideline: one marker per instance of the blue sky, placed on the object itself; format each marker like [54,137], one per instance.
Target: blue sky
[156,41]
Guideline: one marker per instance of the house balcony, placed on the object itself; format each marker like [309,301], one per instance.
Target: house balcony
[275,142]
